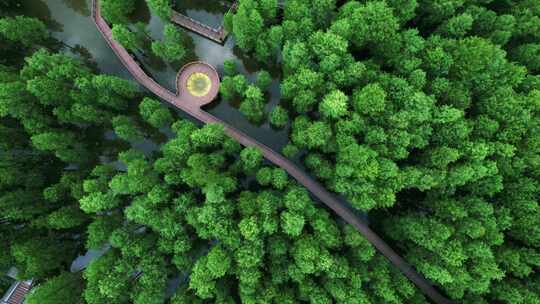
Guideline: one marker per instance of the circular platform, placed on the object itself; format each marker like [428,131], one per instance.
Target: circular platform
[197,83]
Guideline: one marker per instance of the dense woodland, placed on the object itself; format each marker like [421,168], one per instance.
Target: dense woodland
[425,113]
[175,47]
[422,114]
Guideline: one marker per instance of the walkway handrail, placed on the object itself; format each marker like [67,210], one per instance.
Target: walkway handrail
[14,291]
[314,187]
[215,34]
[10,292]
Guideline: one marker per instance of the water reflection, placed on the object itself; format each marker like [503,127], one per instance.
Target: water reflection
[219,6]
[142,12]
[209,12]
[40,9]
[79,33]
[215,55]
[82,261]
[78,6]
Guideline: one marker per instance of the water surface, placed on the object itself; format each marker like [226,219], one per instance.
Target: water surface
[71,23]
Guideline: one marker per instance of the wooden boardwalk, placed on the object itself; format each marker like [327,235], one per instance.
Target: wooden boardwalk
[314,187]
[181,83]
[218,34]
[215,34]
[17,292]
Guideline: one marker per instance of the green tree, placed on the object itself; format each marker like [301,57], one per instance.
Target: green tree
[162,8]
[369,100]
[210,136]
[127,129]
[264,79]
[154,113]
[227,88]
[334,105]
[528,54]
[30,254]
[290,150]
[64,288]
[456,27]
[248,24]
[173,48]
[310,134]
[126,37]
[253,105]
[251,158]
[117,11]
[24,30]
[63,143]
[100,230]
[241,85]
[230,68]
[279,117]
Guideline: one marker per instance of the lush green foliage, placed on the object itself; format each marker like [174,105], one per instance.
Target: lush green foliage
[188,212]
[155,114]
[65,288]
[53,114]
[279,117]
[173,46]
[162,8]
[427,108]
[235,86]
[24,30]
[117,11]
[126,37]
[253,29]
[423,113]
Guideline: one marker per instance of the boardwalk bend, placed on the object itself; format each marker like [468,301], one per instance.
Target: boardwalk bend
[197,83]
[193,108]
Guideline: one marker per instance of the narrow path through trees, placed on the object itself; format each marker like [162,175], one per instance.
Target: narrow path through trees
[314,187]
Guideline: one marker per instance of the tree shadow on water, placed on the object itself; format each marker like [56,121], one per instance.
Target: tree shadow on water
[250,63]
[141,13]
[40,9]
[81,7]
[216,6]
[85,54]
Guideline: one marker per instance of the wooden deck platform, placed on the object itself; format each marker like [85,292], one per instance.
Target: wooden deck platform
[218,34]
[182,78]
[304,179]
[17,292]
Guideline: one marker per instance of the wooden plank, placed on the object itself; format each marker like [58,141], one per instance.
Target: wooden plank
[313,186]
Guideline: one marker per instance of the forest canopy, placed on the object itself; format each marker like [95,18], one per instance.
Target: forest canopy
[425,115]
[422,114]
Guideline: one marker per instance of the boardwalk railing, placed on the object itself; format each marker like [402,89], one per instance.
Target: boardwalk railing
[218,34]
[215,34]
[17,292]
[304,179]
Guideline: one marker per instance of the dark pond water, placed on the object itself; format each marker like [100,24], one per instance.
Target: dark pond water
[71,23]
[210,12]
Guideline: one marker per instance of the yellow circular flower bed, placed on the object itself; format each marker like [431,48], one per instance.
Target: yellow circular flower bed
[199,84]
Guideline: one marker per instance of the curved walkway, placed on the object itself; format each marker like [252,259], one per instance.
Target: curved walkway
[314,187]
